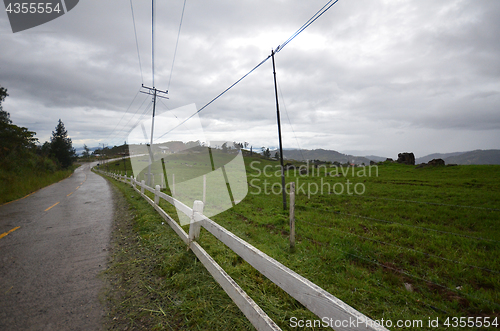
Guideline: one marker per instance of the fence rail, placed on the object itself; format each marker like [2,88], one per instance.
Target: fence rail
[326,306]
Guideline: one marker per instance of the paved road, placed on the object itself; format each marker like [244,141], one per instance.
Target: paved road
[53,244]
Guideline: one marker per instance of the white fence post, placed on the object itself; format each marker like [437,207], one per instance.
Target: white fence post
[157,194]
[194,226]
[143,183]
[292,215]
[173,184]
[204,188]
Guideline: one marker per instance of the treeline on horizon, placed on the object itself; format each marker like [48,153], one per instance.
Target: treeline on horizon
[173,146]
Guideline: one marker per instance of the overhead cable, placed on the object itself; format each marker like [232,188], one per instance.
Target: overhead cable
[133,116]
[288,117]
[320,12]
[136,41]
[176,44]
[328,5]
[217,97]
[153,40]
[126,111]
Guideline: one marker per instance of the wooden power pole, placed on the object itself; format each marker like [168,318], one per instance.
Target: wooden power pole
[279,134]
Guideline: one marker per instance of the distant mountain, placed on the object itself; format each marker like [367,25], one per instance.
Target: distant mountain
[323,155]
[491,156]
[376,158]
[427,158]
[79,150]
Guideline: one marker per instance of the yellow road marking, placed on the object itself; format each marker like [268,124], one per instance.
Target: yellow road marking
[70,193]
[55,204]
[84,179]
[18,199]
[6,233]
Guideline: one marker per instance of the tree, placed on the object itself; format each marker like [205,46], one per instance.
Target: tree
[14,140]
[277,155]
[43,150]
[61,146]
[266,152]
[86,151]
[4,116]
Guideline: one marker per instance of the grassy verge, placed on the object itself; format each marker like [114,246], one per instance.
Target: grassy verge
[19,183]
[154,282]
[417,244]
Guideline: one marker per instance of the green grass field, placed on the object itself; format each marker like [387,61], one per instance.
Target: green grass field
[398,243]
[18,184]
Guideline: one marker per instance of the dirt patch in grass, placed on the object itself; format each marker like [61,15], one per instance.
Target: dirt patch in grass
[131,280]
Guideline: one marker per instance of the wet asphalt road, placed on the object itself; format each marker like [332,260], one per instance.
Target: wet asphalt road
[50,260]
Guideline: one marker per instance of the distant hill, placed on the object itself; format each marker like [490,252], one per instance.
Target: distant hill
[443,156]
[79,150]
[323,155]
[376,158]
[491,156]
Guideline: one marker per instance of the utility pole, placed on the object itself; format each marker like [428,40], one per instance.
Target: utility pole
[106,157]
[102,156]
[153,91]
[279,134]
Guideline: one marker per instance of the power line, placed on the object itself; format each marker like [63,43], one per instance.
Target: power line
[140,68]
[217,97]
[177,118]
[133,116]
[318,14]
[136,40]
[176,44]
[144,113]
[328,5]
[123,115]
[288,117]
[135,113]
[153,40]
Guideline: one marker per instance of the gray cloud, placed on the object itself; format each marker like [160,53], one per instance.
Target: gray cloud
[372,76]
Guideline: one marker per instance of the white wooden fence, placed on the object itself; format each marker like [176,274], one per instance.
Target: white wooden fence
[326,306]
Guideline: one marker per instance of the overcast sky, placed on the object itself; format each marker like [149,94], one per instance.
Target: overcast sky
[368,77]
